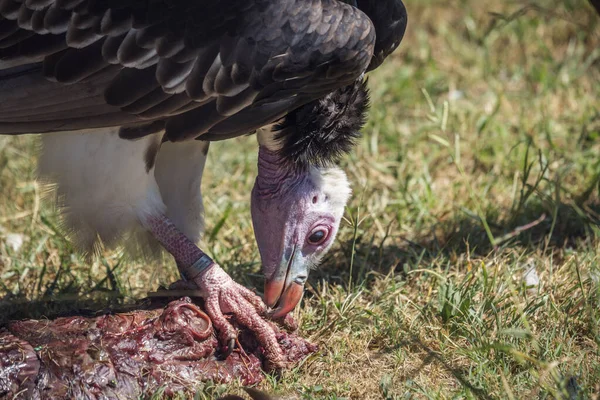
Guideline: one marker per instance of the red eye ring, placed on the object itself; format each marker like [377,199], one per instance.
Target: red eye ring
[318,236]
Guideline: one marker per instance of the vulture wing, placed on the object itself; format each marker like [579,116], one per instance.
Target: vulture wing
[217,68]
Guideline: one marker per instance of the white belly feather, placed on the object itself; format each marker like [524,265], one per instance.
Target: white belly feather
[178,171]
[105,189]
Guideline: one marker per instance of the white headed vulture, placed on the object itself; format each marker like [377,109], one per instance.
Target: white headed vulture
[128,94]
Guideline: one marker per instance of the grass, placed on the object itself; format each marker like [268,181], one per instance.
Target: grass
[468,263]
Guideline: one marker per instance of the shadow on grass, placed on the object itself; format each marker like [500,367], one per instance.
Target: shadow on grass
[554,228]
[434,357]
[531,228]
[14,308]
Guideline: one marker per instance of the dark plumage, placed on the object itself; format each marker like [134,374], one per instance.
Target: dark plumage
[596,4]
[319,132]
[266,57]
[212,69]
[390,21]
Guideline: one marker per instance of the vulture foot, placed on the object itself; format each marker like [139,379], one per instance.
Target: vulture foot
[222,295]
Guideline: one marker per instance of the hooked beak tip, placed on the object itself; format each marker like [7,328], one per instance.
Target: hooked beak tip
[288,300]
[273,291]
[285,299]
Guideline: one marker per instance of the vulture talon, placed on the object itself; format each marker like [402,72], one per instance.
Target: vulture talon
[222,295]
[230,347]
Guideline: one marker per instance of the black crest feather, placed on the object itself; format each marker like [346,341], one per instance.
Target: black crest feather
[322,131]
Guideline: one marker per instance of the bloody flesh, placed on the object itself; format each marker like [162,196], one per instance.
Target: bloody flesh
[128,355]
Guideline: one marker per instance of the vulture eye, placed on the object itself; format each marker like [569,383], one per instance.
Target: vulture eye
[318,237]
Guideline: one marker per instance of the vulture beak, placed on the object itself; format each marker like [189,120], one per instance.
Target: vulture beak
[285,289]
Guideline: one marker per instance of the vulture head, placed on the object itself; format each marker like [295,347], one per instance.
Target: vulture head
[299,196]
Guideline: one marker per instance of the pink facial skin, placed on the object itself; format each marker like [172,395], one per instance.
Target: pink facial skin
[294,225]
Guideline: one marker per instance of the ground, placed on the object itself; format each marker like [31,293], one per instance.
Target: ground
[468,262]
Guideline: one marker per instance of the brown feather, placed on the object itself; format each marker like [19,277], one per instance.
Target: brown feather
[110,48]
[139,131]
[68,4]
[148,36]
[195,82]
[84,20]
[170,74]
[233,105]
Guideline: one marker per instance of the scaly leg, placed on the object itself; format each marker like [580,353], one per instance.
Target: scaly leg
[221,293]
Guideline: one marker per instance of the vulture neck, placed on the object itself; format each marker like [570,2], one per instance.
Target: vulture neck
[275,176]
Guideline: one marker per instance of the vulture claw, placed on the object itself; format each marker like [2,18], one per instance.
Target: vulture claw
[230,347]
[223,295]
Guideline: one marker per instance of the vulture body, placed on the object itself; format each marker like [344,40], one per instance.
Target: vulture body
[129,93]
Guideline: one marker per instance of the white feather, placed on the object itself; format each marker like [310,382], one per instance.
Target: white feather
[102,185]
[178,171]
[266,137]
[332,182]
[106,192]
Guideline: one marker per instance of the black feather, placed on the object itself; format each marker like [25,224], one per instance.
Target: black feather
[139,131]
[269,57]
[15,38]
[35,46]
[321,132]
[7,28]
[596,4]
[390,19]
[37,21]
[57,20]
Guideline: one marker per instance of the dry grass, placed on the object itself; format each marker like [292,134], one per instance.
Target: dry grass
[479,163]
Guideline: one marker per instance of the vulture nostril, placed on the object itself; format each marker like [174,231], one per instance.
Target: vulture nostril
[301,279]
[315,199]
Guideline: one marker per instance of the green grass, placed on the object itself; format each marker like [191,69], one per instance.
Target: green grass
[480,162]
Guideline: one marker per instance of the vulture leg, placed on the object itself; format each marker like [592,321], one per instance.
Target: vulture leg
[220,292]
[178,171]
[110,188]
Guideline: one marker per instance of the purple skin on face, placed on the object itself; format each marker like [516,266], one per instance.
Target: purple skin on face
[295,223]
